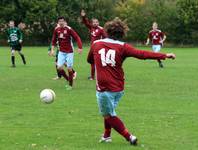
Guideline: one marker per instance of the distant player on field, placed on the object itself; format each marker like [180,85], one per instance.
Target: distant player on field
[96,33]
[64,35]
[108,55]
[157,37]
[15,39]
[62,73]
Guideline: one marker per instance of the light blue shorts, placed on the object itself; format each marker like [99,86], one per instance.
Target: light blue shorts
[65,58]
[108,101]
[156,48]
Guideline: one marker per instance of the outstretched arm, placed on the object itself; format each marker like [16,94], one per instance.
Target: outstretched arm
[130,51]
[85,20]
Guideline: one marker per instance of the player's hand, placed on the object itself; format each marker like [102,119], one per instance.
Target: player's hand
[171,55]
[82,13]
[80,51]
[162,42]
[51,53]
[8,41]
[20,41]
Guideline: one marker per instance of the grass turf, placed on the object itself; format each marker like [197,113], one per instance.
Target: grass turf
[159,105]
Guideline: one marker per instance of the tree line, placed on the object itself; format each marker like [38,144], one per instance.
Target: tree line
[177,18]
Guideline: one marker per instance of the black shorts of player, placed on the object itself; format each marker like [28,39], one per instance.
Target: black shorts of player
[56,58]
[17,47]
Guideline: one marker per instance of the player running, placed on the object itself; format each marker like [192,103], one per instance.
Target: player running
[96,33]
[63,73]
[59,75]
[157,38]
[108,55]
[15,39]
[64,35]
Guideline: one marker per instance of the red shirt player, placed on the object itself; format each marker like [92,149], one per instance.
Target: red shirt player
[64,35]
[157,38]
[96,33]
[108,55]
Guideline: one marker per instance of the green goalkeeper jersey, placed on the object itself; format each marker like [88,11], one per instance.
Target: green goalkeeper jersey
[14,36]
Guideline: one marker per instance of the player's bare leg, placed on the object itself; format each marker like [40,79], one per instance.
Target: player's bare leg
[13,58]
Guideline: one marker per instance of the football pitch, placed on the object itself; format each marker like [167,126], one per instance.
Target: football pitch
[160,106]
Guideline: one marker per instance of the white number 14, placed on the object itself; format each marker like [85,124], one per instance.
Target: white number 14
[109,58]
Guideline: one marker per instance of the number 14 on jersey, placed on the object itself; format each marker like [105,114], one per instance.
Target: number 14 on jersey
[107,57]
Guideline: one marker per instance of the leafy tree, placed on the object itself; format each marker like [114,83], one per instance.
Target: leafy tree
[178,18]
[188,20]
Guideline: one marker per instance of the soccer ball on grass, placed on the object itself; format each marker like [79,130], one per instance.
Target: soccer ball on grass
[47,96]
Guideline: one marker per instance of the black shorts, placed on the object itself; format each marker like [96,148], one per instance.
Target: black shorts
[16,47]
[56,59]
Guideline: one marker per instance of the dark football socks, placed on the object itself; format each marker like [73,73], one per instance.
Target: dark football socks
[160,63]
[118,125]
[63,73]
[23,58]
[58,73]
[107,126]
[13,60]
[71,78]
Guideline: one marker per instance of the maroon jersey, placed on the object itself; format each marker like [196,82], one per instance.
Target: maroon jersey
[96,33]
[108,56]
[156,37]
[64,36]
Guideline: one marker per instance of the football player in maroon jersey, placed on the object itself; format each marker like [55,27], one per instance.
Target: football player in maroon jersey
[108,56]
[64,35]
[157,38]
[96,32]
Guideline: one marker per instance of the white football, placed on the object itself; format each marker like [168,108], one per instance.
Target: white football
[47,96]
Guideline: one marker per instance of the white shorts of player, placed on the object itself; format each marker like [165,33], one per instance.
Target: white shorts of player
[67,58]
[156,48]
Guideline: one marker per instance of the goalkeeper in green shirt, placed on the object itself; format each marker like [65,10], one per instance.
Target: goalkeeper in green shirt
[15,39]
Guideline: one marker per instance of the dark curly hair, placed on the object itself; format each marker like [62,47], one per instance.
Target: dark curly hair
[116,29]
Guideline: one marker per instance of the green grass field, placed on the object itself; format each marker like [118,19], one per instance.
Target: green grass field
[160,106]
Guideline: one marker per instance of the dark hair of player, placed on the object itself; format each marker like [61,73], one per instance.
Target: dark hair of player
[116,29]
[61,17]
